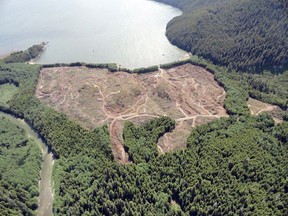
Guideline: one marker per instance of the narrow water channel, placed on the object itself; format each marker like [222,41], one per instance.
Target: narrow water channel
[45,200]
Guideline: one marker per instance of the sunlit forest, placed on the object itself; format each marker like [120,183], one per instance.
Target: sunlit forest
[234,165]
[245,35]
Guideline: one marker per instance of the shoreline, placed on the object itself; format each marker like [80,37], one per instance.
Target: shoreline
[5,55]
[34,60]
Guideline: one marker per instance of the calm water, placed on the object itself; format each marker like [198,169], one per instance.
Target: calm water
[128,32]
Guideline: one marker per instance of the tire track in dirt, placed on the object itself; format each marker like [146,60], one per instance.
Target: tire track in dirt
[257,107]
[190,93]
[117,147]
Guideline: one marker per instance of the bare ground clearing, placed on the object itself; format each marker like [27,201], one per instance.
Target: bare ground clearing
[93,97]
[257,107]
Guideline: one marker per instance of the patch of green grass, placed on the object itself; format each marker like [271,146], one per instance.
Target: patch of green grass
[7,91]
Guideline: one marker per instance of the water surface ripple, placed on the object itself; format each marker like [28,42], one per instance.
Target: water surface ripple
[127,32]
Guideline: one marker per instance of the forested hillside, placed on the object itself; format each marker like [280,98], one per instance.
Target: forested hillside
[269,88]
[20,162]
[245,35]
[235,165]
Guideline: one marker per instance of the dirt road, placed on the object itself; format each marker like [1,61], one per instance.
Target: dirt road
[93,97]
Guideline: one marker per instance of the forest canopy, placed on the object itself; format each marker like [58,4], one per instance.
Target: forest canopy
[235,165]
[245,35]
[20,164]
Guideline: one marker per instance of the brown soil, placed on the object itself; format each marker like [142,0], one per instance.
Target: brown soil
[257,107]
[93,97]
[4,55]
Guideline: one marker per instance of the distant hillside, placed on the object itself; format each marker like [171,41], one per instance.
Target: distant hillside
[243,34]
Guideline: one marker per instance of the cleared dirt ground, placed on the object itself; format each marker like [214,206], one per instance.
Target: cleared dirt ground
[94,97]
[257,107]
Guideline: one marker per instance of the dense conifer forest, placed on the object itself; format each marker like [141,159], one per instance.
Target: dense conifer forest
[245,35]
[235,165]
[20,163]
